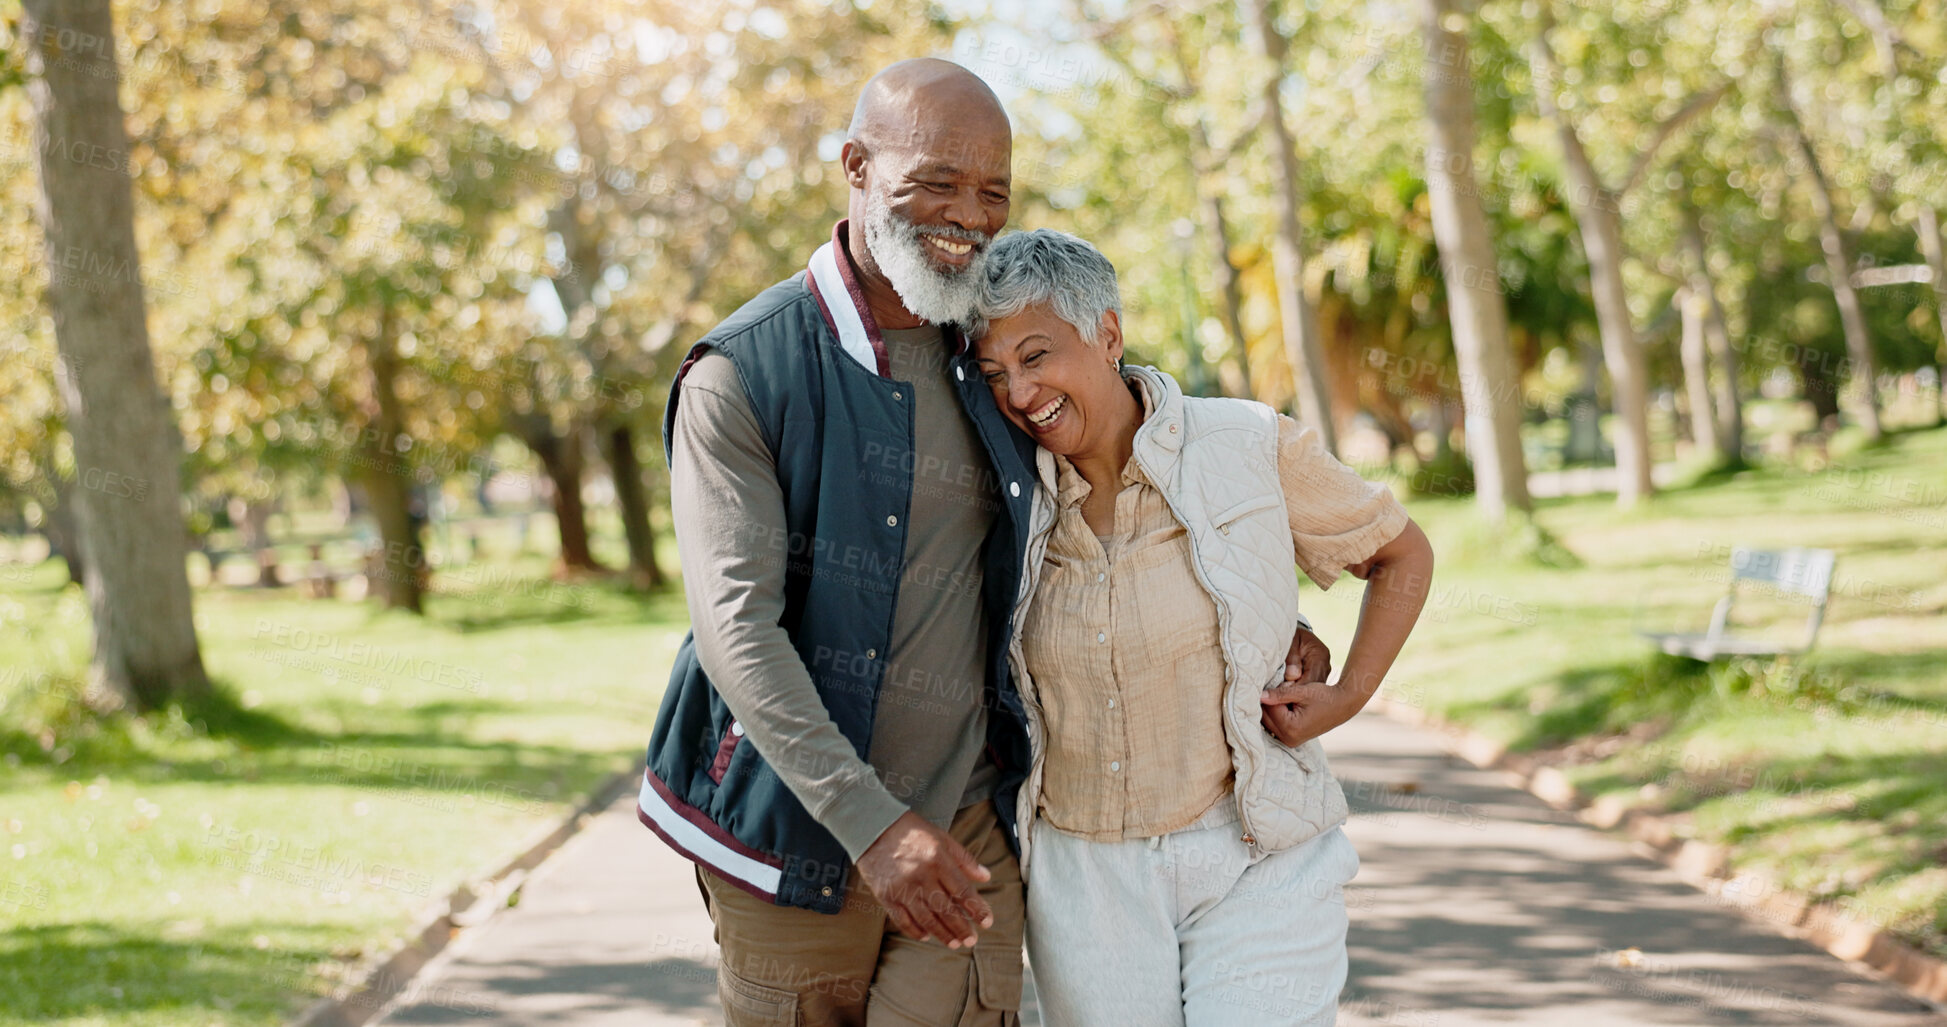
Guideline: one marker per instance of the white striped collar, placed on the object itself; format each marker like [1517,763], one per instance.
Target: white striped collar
[835,285]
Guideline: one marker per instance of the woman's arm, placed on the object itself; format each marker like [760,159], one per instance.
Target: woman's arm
[1398,576]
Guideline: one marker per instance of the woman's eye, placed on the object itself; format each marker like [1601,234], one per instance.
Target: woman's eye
[1035,357]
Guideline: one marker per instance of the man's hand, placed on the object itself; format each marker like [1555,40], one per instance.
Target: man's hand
[927,882]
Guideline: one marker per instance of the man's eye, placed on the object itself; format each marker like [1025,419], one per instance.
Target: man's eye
[992,377]
[996,197]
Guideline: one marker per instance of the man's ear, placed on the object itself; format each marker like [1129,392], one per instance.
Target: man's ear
[852,158]
[1110,331]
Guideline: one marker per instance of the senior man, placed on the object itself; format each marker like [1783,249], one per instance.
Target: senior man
[851,511]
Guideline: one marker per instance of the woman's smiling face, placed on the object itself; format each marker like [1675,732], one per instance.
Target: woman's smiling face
[1051,383]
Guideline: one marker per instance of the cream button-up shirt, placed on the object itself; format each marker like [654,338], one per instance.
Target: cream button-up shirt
[1122,641]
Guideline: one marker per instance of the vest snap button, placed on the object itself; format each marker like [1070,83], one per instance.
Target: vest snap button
[1014,489]
[826,892]
[960,374]
[1172,428]
[892,521]
[897,395]
[872,654]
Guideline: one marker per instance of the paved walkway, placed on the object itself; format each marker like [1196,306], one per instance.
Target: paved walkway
[1476,904]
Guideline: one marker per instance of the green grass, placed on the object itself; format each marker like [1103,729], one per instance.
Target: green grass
[1828,773]
[222,865]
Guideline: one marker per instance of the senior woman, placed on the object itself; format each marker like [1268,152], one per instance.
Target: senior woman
[1180,827]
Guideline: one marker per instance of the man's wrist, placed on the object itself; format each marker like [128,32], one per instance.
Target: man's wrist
[860,816]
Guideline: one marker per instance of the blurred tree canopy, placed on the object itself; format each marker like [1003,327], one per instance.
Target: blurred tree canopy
[377,238]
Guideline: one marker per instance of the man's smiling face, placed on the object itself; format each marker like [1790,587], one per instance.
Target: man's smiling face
[929,217]
[929,165]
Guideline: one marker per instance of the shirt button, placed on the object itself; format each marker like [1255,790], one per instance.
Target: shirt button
[738,729]
[1112,704]
[1014,488]
[892,521]
[1116,766]
[1172,429]
[1101,636]
[1101,576]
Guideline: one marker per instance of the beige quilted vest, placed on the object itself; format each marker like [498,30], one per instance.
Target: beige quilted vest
[1216,463]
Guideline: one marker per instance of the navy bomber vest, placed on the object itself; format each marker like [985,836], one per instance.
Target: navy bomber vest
[816,371]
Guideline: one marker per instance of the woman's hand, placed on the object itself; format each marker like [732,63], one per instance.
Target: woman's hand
[1398,577]
[1298,711]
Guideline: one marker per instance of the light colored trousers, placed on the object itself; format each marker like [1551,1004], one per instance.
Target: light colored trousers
[1184,929]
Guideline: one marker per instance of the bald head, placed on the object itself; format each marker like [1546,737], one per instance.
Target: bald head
[909,95]
[928,162]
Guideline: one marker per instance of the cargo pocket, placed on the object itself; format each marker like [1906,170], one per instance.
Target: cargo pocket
[748,1004]
[995,997]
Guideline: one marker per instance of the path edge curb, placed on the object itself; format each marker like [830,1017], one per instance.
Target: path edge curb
[382,980]
[1702,865]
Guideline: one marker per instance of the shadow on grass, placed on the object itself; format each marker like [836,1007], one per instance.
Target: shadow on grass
[536,602]
[51,723]
[90,970]
[1598,700]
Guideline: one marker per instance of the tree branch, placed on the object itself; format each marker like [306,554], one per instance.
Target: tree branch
[1647,156]
[1546,71]
[1885,36]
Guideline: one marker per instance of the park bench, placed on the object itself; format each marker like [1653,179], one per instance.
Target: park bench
[1785,572]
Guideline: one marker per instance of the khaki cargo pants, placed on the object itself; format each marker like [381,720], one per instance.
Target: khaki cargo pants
[785,967]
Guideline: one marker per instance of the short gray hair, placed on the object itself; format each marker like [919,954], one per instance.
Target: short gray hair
[1025,269]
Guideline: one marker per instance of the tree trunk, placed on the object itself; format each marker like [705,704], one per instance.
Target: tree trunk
[1730,409]
[1585,410]
[1597,211]
[1489,385]
[1304,348]
[616,438]
[126,451]
[1216,239]
[398,570]
[253,523]
[618,448]
[1838,265]
[1622,354]
[561,461]
[1696,372]
[59,524]
[1821,387]
[1930,244]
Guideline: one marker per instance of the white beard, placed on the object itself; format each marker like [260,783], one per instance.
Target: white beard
[935,296]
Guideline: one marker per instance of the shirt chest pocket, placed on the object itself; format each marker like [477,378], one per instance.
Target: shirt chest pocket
[1173,616]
